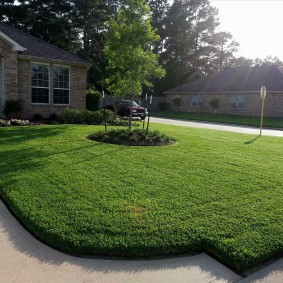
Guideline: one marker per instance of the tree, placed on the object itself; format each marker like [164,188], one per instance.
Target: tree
[128,50]
[214,103]
[241,61]
[268,61]
[177,101]
[189,27]
[89,17]
[6,10]
[48,20]
[159,9]
[224,48]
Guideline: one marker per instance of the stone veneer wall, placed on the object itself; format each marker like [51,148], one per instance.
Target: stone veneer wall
[273,104]
[77,91]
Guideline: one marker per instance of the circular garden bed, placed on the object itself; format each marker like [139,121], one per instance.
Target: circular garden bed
[136,137]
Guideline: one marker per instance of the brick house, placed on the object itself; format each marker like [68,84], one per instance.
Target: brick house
[45,77]
[238,92]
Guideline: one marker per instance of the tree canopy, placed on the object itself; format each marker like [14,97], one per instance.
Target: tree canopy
[189,42]
[131,61]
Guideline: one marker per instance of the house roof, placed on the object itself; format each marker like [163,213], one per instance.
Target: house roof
[31,46]
[246,79]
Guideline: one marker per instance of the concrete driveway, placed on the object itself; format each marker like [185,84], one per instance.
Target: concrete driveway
[218,127]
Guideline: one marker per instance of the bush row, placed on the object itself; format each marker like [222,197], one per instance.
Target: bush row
[72,116]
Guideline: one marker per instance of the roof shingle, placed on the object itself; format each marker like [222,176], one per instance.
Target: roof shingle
[38,48]
[246,79]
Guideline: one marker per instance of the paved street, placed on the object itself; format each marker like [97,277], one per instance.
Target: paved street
[218,127]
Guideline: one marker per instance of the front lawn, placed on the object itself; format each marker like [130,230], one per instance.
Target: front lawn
[213,191]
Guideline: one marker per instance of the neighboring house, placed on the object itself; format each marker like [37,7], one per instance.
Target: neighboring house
[238,92]
[45,77]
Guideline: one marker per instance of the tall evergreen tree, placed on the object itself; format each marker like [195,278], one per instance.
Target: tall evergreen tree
[6,10]
[49,20]
[159,9]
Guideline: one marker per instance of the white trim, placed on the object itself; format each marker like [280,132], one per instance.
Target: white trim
[69,89]
[62,66]
[16,46]
[49,84]
[40,63]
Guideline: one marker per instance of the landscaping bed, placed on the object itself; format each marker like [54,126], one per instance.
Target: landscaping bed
[213,191]
[132,138]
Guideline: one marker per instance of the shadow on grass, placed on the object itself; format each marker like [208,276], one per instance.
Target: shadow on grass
[15,135]
[252,141]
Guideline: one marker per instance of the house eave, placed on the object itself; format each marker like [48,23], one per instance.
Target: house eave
[53,61]
[16,46]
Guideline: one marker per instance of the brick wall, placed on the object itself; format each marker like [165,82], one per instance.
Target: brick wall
[77,91]
[10,69]
[273,104]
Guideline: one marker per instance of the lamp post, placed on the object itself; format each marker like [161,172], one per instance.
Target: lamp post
[150,101]
[146,107]
[263,95]
[104,110]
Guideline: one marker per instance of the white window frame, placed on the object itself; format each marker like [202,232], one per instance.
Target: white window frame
[199,101]
[49,81]
[69,89]
[237,100]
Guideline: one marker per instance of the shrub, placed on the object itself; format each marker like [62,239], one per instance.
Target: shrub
[177,101]
[214,103]
[72,116]
[137,137]
[13,108]
[37,117]
[93,99]
[54,117]
[164,106]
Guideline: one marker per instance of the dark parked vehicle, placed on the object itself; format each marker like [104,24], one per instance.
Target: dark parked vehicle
[125,108]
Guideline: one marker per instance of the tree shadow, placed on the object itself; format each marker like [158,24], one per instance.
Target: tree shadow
[252,141]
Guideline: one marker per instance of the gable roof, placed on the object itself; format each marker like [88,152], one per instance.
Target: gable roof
[35,47]
[247,79]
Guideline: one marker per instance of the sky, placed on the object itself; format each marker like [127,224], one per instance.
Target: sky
[256,24]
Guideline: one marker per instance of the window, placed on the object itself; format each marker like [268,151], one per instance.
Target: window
[197,101]
[61,85]
[237,102]
[40,83]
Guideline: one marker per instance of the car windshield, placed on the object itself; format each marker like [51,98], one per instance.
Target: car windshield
[127,103]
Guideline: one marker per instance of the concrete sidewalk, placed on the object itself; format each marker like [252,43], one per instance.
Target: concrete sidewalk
[25,260]
[218,127]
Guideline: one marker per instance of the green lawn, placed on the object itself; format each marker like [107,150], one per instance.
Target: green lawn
[213,191]
[221,118]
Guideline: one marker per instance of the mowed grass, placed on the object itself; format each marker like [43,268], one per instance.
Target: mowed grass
[221,118]
[213,191]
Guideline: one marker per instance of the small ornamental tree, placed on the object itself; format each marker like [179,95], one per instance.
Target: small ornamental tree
[214,103]
[177,101]
[131,62]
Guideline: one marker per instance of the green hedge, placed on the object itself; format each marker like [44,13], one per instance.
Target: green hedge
[73,116]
